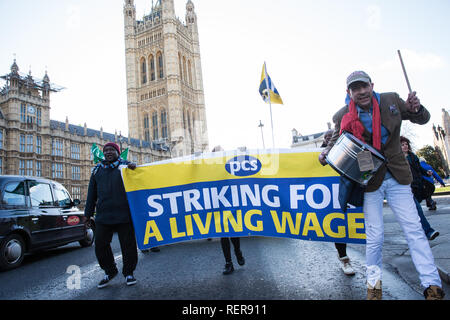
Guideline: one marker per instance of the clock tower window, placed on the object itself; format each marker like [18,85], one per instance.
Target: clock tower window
[30,114]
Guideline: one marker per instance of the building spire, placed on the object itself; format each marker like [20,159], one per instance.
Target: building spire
[46,79]
[14,67]
[191,17]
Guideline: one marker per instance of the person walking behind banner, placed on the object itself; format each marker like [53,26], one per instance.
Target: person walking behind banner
[417,185]
[226,248]
[341,248]
[107,198]
[376,119]
[225,243]
[431,204]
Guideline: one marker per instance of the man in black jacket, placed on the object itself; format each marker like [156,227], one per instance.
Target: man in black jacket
[107,198]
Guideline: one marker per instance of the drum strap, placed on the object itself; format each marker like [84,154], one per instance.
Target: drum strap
[350,122]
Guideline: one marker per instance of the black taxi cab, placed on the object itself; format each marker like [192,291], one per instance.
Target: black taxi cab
[36,214]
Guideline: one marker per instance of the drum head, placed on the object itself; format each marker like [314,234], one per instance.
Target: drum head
[364,145]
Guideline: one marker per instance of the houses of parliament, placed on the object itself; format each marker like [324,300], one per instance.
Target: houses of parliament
[165,104]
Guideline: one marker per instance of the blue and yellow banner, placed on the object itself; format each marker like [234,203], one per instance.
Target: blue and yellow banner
[281,193]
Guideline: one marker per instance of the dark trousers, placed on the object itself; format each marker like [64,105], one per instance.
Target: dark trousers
[430,202]
[341,249]
[127,239]
[226,248]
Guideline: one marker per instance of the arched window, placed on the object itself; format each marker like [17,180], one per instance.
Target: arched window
[143,71]
[163,124]
[159,57]
[155,125]
[184,70]
[179,63]
[193,122]
[151,59]
[189,121]
[190,72]
[146,128]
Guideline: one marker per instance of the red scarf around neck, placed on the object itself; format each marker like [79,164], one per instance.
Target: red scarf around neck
[350,122]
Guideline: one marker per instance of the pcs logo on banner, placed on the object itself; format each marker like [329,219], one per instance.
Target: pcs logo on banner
[243,166]
[229,195]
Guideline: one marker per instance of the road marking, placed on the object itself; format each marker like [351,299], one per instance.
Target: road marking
[94,267]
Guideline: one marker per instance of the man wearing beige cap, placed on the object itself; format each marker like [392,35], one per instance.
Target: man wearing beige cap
[376,120]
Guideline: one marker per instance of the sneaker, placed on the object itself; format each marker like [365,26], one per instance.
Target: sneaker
[346,266]
[130,280]
[433,235]
[228,268]
[434,293]
[240,258]
[374,293]
[106,279]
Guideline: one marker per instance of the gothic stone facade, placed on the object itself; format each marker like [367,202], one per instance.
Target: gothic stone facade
[31,144]
[166,111]
[441,139]
[164,78]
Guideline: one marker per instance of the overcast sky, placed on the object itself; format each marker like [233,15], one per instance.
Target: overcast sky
[309,46]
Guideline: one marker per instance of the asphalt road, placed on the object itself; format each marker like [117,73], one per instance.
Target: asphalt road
[281,276]
[275,268]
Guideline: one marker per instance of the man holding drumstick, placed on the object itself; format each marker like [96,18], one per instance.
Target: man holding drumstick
[376,120]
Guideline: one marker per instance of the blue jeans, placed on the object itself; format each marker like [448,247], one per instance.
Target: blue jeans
[425,224]
[401,201]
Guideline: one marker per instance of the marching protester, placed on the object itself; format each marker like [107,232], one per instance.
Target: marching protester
[376,120]
[431,204]
[107,198]
[226,248]
[417,185]
[341,248]
[225,244]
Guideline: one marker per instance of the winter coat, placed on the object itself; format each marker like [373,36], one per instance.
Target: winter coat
[106,195]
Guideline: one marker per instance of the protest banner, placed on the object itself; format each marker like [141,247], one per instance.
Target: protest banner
[275,193]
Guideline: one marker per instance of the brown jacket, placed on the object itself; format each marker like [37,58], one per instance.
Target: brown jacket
[392,111]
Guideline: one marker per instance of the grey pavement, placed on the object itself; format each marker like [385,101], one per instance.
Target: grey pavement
[398,254]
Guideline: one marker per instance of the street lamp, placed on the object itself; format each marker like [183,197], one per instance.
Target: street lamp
[120,138]
[262,134]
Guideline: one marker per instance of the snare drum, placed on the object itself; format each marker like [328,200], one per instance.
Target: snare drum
[354,159]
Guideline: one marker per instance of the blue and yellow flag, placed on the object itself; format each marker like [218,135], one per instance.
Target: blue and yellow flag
[267,89]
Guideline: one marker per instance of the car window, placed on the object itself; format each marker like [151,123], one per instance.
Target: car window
[41,194]
[14,194]
[62,196]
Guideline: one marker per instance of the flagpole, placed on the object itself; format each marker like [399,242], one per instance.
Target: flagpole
[271,122]
[270,102]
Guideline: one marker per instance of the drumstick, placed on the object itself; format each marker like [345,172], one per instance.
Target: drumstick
[404,71]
